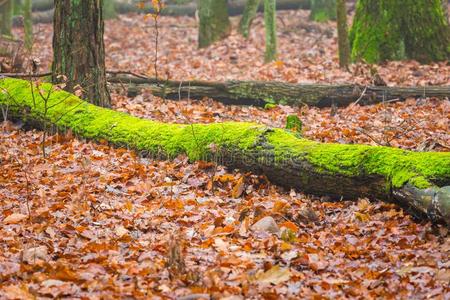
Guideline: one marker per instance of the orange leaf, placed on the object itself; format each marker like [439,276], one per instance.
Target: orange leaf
[238,189]
[290,225]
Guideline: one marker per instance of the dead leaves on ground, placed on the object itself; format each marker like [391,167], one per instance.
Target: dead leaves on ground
[105,223]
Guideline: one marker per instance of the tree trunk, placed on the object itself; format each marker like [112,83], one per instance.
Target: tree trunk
[109,9]
[28,24]
[270,23]
[249,14]
[415,180]
[7,10]
[17,9]
[398,29]
[323,10]
[344,46]
[78,47]
[260,93]
[214,22]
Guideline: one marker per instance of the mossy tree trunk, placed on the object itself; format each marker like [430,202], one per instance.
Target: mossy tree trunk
[109,9]
[418,181]
[17,9]
[78,47]
[323,10]
[270,23]
[400,29]
[214,22]
[27,24]
[7,10]
[344,45]
[251,7]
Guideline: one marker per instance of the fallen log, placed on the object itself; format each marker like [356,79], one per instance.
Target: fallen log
[259,93]
[43,9]
[42,5]
[417,181]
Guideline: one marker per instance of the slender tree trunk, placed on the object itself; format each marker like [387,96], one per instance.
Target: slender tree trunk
[249,14]
[28,24]
[400,29]
[18,7]
[445,8]
[109,9]
[270,23]
[323,10]
[344,46]
[78,47]
[7,10]
[214,22]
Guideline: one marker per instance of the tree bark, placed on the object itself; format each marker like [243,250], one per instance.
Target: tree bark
[417,181]
[214,22]
[344,45]
[270,24]
[247,17]
[260,93]
[28,24]
[400,29]
[323,10]
[7,10]
[78,47]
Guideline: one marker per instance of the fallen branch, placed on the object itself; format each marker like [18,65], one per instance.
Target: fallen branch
[259,93]
[417,181]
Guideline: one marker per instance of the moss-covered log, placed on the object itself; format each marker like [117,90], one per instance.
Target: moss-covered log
[414,180]
[259,93]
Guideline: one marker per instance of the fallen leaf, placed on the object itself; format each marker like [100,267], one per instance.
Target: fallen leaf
[14,218]
[275,275]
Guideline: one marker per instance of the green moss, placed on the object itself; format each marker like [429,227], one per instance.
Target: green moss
[294,123]
[198,141]
[269,106]
[396,165]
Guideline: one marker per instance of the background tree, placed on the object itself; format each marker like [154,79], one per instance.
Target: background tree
[109,9]
[399,29]
[27,24]
[214,22]
[323,10]
[78,47]
[270,22]
[6,15]
[344,46]
[251,7]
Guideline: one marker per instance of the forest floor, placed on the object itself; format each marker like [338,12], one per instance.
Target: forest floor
[94,221]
